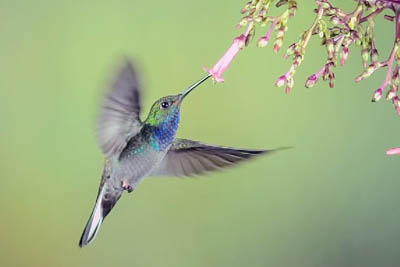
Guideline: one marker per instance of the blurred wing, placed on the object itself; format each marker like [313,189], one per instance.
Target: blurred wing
[187,158]
[119,114]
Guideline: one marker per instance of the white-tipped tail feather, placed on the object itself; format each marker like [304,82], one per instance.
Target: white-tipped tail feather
[106,200]
[94,223]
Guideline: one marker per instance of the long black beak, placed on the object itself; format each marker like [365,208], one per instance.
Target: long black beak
[187,91]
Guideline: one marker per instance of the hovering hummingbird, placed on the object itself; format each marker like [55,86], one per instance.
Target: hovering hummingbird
[135,149]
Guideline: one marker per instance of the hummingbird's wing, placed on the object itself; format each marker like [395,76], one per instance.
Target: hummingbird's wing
[119,114]
[187,158]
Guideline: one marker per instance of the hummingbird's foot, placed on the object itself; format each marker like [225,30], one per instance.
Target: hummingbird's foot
[126,186]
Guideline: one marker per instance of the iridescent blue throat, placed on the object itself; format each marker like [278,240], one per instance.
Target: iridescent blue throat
[164,134]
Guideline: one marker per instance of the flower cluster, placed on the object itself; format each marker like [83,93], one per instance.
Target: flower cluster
[338,30]
[256,13]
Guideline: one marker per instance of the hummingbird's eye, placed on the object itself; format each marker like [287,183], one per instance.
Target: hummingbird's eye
[164,105]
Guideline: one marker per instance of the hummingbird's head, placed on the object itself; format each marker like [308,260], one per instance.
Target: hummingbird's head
[167,109]
[164,109]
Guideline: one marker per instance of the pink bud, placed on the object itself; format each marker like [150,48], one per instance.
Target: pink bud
[311,81]
[389,18]
[393,151]
[358,78]
[377,95]
[263,41]
[289,85]
[276,48]
[281,81]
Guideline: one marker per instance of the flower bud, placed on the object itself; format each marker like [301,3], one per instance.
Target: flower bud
[389,18]
[281,3]
[377,95]
[243,22]
[323,4]
[280,81]
[365,57]
[290,51]
[332,79]
[292,9]
[374,55]
[330,47]
[311,81]
[392,92]
[246,7]
[263,41]
[344,55]
[289,85]
[277,45]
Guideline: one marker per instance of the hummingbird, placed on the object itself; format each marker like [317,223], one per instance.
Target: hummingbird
[135,149]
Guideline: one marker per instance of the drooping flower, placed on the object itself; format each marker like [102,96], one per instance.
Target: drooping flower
[225,61]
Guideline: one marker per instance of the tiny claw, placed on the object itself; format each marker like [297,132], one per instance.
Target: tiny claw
[126,186]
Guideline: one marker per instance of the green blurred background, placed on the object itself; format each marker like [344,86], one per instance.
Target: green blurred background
[332,200]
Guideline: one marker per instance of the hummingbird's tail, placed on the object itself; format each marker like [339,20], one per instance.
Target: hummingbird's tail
[104,203]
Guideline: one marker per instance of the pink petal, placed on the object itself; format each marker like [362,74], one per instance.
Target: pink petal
[393,151]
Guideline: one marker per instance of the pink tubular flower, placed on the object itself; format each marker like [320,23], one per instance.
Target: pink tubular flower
[223,63]
[393,151]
